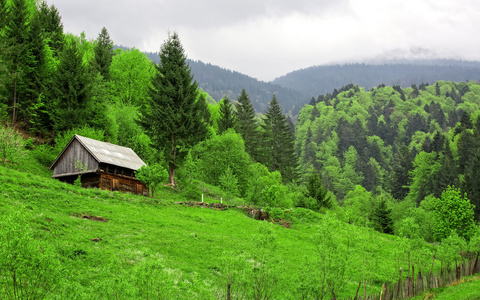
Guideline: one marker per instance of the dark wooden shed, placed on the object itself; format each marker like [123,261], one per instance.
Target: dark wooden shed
[108,166]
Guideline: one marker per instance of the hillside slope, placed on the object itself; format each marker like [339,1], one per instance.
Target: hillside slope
[102,244]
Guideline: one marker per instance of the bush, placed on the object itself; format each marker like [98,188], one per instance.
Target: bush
[44,154]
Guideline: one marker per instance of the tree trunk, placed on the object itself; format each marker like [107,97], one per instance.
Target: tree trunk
[14,100]
[171,174]
[171,165]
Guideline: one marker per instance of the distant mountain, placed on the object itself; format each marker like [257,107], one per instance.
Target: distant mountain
[295,89]
[318,80]
[218,82]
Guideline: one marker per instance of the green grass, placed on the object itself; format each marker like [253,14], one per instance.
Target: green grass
[467,289]
[181,250]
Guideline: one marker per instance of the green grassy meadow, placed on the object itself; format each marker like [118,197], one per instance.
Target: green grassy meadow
[94,244]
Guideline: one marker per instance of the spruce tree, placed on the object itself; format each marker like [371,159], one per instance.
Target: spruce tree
[401,167]
[174,118]
[278,143]
[227,116]
[104,53]
[53,27]
[16,52]
[447,174]
[316,190]
[382,217]
[71,91]
[246,125]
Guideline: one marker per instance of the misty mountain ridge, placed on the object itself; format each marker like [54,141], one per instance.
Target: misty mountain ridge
[295,89]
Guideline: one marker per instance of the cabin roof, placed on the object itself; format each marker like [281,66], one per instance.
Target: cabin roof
[106,153]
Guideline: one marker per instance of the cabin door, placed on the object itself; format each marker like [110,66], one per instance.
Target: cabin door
[115,184]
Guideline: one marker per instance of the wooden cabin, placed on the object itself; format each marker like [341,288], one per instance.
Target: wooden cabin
[100,164]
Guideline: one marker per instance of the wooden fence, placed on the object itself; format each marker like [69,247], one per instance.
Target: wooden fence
[408,287]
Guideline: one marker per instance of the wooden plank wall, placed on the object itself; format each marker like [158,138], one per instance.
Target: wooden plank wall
[66,164]
[118,183]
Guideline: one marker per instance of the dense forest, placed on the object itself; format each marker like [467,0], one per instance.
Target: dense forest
[401,161]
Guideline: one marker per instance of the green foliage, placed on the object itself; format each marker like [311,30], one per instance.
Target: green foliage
[228,181]
[103,53]
[358,207]
[81,168]
[11,146]
[324,274]
[209,159]
[131,74]
[247,126]
[64,137]
[382,218]
[262,179]
[174,118]
[278,152]
[129,133]
[275,196]
[29,268]
[317,191]
[453,213]
[72,91]
[226,118]
[152,176]
[451,249]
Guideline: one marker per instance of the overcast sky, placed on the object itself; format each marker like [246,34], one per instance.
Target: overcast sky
[266,39]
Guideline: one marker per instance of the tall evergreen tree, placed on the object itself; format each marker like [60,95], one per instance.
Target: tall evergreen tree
[104,53]
[175,118]
[278,143]
[447,174]
[17,53]
[316,190]
[247,126]
[401,167]
[53,27]
[71,91]
[382,217]
[227,116]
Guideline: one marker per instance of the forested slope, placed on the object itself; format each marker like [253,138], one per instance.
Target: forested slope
[409,142]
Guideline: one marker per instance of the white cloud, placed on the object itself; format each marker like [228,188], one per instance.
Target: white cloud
[269,38]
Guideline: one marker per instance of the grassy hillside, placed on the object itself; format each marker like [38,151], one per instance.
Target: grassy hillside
[113,245]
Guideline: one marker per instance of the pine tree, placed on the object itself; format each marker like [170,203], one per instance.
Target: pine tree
[53,27]
[447,174]
[71,91]
[104,53]
[382,217]
[16,52]
[247,126]
[278,143]
[175,118]
[316,190]
[227,116]
[401,166]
